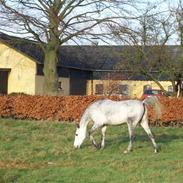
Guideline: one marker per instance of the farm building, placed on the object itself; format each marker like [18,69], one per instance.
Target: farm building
[82,70]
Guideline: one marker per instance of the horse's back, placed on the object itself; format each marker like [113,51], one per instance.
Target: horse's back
[115,112]
[109,104]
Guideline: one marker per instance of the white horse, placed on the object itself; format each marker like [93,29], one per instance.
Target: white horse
[107,112]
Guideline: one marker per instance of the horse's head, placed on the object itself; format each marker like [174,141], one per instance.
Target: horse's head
[79,136]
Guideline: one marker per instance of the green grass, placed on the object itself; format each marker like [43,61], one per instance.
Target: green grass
[41,152]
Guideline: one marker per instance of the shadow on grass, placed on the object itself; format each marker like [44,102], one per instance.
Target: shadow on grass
[163,138]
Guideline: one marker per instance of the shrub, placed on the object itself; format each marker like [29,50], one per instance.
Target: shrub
[70,108]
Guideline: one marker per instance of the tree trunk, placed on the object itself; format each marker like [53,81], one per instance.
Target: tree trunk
[50,85]
[174,88]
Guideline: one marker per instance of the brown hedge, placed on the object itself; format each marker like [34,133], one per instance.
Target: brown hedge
[70,108]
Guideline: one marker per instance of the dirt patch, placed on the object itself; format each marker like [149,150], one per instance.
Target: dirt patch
[19,165]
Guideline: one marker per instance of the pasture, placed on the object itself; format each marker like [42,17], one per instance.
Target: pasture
[42,152]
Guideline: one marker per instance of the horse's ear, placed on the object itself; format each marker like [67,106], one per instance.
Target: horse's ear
[77,125]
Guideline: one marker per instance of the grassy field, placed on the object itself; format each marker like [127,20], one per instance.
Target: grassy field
[41,152]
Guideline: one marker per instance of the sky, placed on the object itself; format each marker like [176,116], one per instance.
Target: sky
[163,7]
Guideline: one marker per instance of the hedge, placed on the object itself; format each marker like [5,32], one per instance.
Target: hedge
[70,108]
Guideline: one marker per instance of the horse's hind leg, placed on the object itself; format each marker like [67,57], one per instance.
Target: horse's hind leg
[145,126]
[131,130]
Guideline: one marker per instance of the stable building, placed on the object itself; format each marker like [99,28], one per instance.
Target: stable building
[82,70]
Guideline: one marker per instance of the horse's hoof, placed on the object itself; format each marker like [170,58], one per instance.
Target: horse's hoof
[126,151]
[102,147]
[98,146]
[157,150]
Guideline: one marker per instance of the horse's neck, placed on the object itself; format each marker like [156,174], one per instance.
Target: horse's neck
[84,120]
[83,123]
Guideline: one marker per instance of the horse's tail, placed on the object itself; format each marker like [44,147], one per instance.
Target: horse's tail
[154,102]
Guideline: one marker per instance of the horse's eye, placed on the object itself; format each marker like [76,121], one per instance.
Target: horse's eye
[76,134]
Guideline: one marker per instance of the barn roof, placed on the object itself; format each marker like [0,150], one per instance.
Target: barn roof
[91,58]
[80,57]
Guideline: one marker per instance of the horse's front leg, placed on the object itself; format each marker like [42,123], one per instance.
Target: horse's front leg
[103,130]
[94,127]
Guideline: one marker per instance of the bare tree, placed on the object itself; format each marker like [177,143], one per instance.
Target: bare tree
[55,22]
[178,12]
[147,52]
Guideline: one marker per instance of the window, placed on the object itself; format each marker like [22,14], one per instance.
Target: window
[60,85]
[122,89]
[99,89]
[147,87]
[170,88]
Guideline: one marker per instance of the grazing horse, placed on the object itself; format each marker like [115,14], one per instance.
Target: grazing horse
[107,112]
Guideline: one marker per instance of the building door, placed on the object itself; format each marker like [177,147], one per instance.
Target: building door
[78,82]
[4,82]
